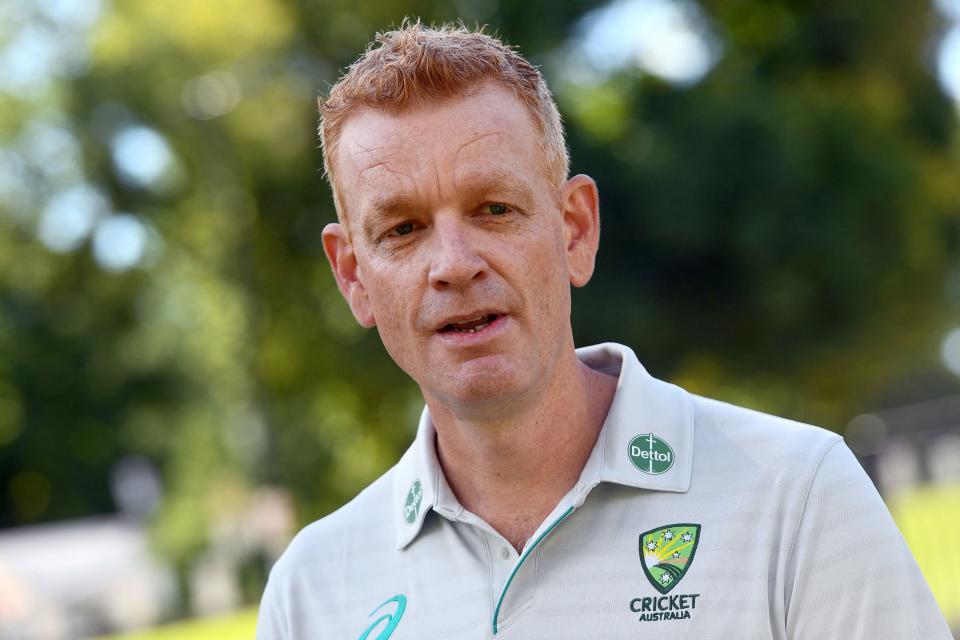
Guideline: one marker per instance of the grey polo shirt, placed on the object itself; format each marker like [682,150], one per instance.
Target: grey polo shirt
[691,519]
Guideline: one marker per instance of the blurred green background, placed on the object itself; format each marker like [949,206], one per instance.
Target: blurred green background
[780,189]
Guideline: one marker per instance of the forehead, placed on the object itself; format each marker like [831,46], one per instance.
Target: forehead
[486,134]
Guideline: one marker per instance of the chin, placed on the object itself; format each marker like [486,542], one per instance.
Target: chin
[482,390]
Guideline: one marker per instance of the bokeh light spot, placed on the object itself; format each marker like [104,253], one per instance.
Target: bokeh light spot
[948,66]
[210,95]
[949,8]
[70,216]
[27,63]
[76,14]
[866,434]
[667,38]
[119,242]
[950,351]
[141,156]
[50,148]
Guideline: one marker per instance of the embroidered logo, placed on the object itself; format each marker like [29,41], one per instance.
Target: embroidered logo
[667,554]
[650,454]
[392,619]
[411,507]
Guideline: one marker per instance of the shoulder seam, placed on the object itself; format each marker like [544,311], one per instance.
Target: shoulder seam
[806,499]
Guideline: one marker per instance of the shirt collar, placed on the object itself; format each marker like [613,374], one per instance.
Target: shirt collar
[646,442]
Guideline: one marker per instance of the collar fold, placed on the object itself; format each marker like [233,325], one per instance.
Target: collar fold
[418,472]
[646,442]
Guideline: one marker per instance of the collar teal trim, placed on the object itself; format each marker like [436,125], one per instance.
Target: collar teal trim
[526,554]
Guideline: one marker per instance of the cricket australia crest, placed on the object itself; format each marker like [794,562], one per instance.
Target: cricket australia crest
[667,553]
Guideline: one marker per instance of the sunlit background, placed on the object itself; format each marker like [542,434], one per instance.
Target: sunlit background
[181,387]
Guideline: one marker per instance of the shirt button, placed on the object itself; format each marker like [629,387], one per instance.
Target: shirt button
[505,553]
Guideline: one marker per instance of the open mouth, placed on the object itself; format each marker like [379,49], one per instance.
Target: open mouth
[471,325]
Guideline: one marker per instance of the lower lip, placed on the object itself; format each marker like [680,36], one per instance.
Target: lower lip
[467,338]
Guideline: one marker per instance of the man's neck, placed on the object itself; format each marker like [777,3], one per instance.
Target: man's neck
[513,470]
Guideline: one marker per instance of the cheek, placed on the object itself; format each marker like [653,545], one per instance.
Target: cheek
[385,288]
[388,304]
[391,312]
[549,281]
[395,295]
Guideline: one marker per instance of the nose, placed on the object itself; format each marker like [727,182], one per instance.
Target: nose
[454,259]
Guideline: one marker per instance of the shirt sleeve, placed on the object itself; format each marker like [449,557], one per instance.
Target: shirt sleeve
[849,573]
[271,618]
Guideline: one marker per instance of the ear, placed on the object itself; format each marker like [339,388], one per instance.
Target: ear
[343,262]
[581,226]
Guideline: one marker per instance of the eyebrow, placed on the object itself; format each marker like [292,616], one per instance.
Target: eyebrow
[387,203]
[499,182]
[382,207]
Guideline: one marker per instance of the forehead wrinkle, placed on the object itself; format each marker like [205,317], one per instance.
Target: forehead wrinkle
[477,175]
[509,149]
[388,171]
[474,140]
[365,156]
[360,153]
[377,165]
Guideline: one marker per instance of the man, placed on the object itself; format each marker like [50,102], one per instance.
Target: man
[550,492]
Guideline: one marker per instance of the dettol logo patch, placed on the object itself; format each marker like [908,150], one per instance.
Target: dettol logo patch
[411,507]
[650,454]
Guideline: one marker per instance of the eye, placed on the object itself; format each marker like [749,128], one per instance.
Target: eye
[497,209]
[403,229]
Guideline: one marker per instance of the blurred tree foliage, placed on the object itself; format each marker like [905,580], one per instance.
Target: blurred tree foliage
[777,235]
[784,227]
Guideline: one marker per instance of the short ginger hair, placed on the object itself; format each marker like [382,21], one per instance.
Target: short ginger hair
[415,63]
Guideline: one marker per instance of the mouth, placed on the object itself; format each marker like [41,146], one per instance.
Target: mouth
[472,324]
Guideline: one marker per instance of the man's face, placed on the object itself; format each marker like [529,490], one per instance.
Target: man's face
[459,248]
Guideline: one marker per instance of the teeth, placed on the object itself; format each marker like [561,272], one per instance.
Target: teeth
[477,328]
[460,327]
